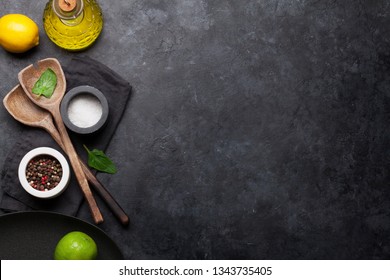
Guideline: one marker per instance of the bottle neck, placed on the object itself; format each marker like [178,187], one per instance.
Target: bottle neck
[70,12]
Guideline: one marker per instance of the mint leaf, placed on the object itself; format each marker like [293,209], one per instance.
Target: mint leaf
[46,84]
[99,161]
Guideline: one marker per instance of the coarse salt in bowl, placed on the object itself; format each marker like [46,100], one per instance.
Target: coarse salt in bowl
[44,175]
[84,109]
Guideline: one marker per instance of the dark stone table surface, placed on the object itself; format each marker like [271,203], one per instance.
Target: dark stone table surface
[255,130]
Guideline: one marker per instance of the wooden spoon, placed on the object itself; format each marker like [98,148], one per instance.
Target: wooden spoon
[23,110]
[27,78]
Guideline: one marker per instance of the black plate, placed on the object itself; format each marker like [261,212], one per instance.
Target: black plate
[34,236]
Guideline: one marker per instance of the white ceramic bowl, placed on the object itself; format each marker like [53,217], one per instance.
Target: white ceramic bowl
[56,191]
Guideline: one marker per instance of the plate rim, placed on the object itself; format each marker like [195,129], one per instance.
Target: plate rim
[52,213]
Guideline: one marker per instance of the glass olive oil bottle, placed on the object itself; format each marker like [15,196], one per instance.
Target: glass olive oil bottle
[73,24]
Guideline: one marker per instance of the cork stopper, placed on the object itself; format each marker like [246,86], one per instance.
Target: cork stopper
[67,5]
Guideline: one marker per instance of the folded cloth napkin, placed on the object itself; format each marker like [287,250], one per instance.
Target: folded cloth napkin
[79,71]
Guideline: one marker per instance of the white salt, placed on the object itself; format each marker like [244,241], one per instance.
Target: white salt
[84,110]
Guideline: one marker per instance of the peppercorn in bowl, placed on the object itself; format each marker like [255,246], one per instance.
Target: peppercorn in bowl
[44,172]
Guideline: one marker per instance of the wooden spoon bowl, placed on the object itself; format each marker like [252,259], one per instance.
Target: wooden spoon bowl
[30,75]
[22,109]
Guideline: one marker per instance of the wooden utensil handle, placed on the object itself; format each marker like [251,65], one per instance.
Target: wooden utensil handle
[106,196]
[96,185]
[96,214]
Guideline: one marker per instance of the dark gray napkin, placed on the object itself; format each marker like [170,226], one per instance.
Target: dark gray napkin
[80,71]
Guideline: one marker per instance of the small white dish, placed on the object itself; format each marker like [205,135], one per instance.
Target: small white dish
[42,151]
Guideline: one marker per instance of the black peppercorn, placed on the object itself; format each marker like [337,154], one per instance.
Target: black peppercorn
[43,173]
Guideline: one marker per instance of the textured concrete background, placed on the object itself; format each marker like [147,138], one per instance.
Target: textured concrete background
[256,129]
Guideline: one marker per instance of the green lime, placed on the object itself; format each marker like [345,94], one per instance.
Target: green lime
[76,245]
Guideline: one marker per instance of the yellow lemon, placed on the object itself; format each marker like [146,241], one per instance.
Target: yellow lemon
[18,33]
[76,245]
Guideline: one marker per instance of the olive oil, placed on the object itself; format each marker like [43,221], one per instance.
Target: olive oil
[73,24]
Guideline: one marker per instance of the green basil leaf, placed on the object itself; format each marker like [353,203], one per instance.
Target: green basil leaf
[99,161]
[46,84]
